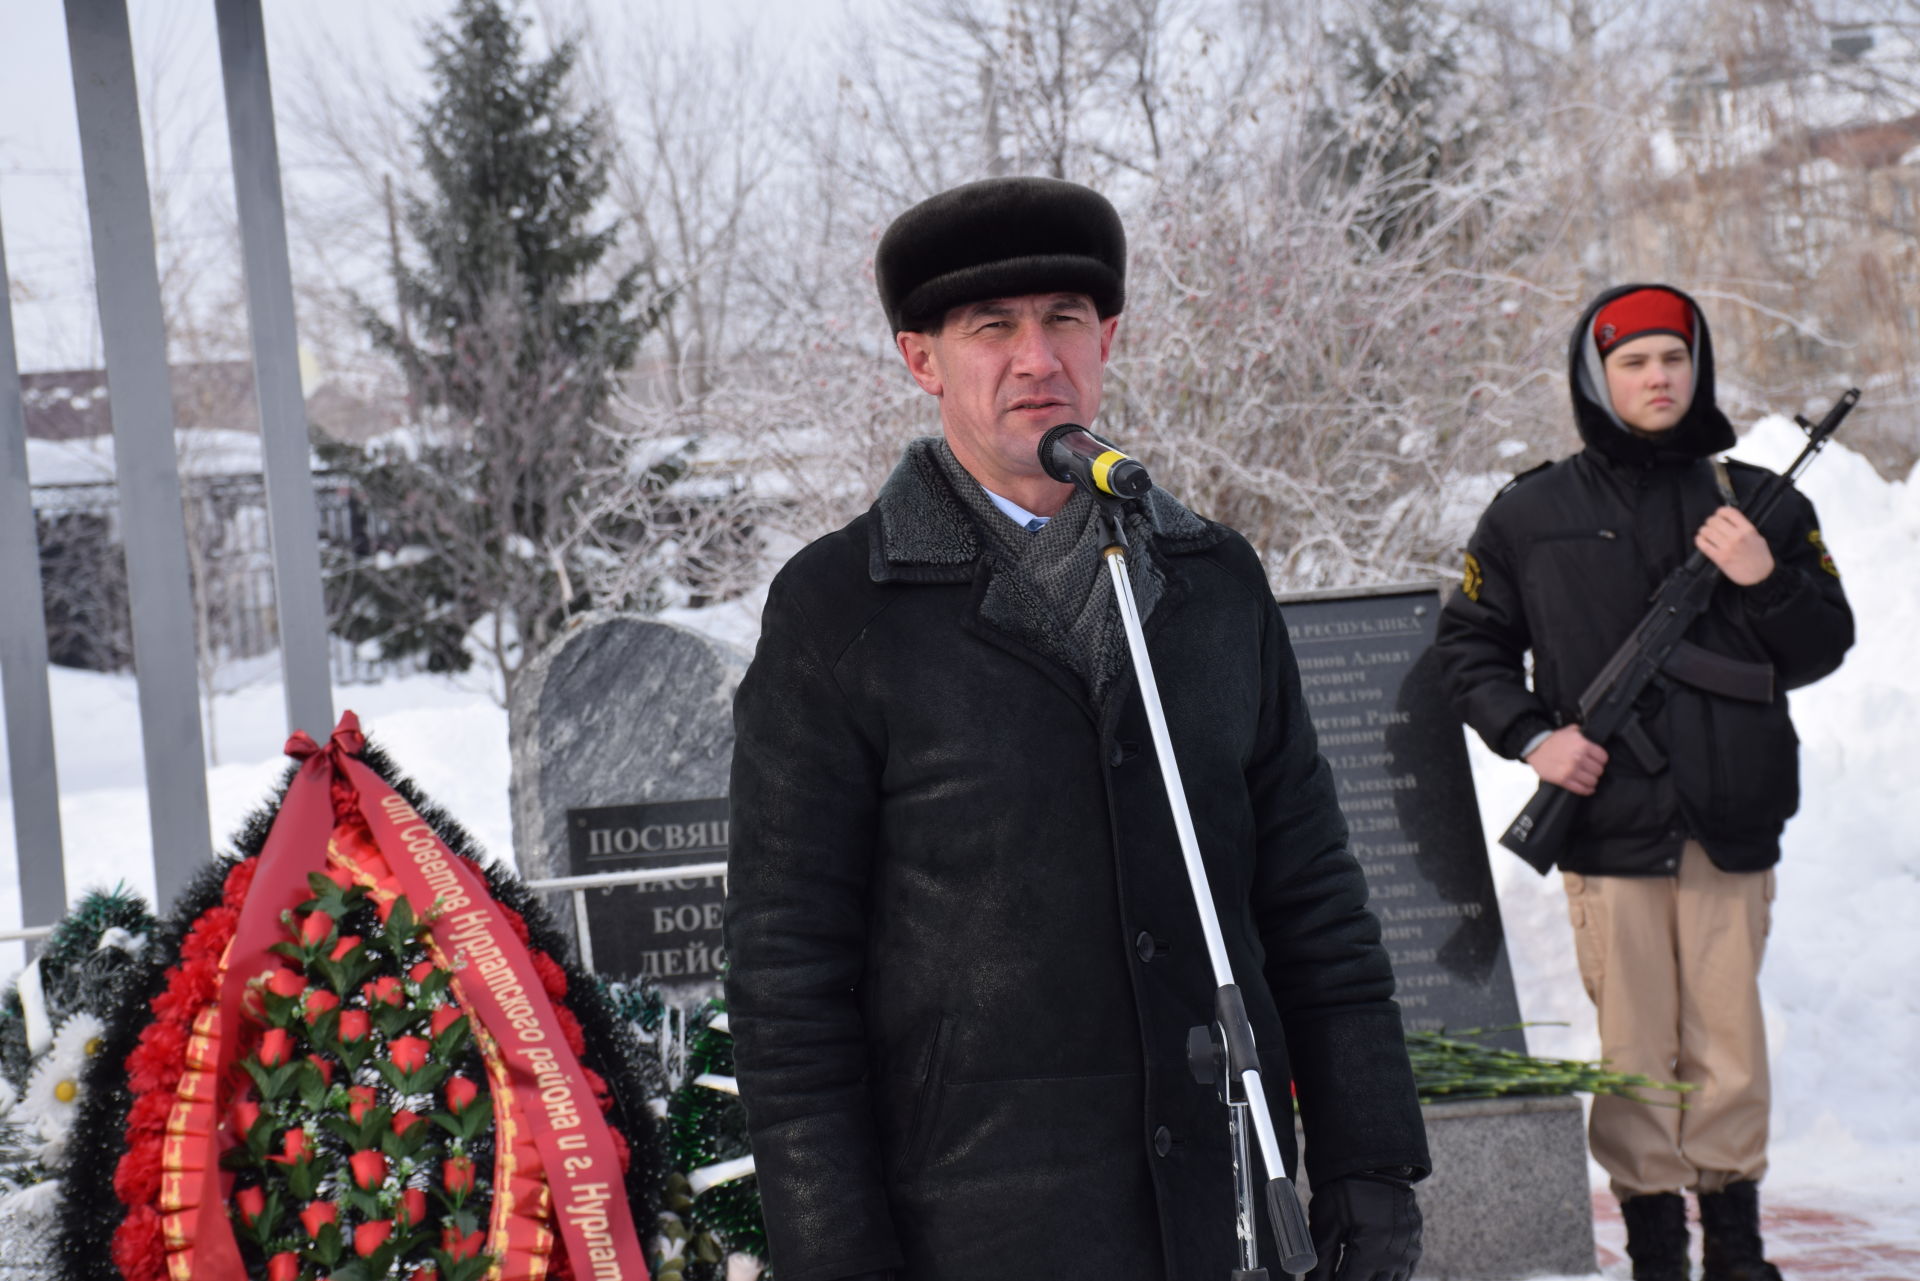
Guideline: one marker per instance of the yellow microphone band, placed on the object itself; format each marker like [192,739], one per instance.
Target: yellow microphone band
[1103,467]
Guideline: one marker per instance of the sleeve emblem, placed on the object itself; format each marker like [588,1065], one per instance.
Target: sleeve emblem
[1471,579]
[1826,557]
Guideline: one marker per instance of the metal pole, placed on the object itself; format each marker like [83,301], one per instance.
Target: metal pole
[23,654]
[134,337]
[292,514]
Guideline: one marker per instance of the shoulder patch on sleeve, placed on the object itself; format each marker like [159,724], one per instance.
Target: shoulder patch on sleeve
[1471,579]
[1826,557]
[1528,474]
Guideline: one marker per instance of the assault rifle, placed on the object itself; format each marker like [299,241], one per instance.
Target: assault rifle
[1658,646]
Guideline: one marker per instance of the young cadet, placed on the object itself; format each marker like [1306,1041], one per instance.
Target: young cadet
[1669,865]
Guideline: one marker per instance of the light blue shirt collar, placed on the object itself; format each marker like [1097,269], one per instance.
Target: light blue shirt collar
[1015,512]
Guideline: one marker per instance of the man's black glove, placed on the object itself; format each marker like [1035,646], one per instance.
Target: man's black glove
[1366,1227]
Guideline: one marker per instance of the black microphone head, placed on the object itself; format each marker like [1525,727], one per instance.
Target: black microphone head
[1055,458]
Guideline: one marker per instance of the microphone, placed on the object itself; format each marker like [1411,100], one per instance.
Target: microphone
[1072,454]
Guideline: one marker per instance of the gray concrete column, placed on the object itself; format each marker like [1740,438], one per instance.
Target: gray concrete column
[291,512]
[133,335]
[23,654]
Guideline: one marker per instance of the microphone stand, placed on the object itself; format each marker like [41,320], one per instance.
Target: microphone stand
[1221,1054]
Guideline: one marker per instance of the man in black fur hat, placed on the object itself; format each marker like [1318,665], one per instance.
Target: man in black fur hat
[963,955]
[1669,866]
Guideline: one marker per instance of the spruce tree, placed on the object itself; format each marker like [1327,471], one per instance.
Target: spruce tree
[516,332]
[1401,124]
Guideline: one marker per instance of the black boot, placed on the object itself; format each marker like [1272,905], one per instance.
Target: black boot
[1657,1236]
[1730,1222]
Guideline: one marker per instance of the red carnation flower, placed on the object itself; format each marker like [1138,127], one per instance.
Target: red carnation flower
[252,1203]
[354,1025]
[286,983]
[360,1098]
[210,935]
[570,1030]
[317,1215]
[461,1245]
[460,1094]
[369,1169]
[284,1266]
[518,924]
[552,977]
[295,1147]
[456,1174]
[319,1001]
[421,972]
[444,1017]
[139,1246]
[346,944]
[369,1237]
[405,1119]
[413,1206]
[239,880]
[276,1047]
[315,928]
[147,1119]
[597,1084]
[136,1176]
[409,1053]
[157,1061]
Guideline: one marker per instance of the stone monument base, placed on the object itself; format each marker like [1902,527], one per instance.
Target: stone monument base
[1508,1197]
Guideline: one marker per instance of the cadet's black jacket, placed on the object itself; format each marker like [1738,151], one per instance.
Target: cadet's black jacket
[963,958]
[1563,564]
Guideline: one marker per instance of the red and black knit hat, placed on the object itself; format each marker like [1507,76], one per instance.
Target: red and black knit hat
[1642,312]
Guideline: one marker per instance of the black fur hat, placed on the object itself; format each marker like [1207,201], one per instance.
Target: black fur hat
[999,238]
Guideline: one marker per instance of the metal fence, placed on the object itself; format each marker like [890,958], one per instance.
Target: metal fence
[83,572]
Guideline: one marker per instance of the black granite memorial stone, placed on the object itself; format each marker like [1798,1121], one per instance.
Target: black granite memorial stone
[1399,761]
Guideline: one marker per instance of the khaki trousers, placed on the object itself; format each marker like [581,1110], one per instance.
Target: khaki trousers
[1673,966]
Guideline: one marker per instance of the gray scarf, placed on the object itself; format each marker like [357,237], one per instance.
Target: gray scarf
[1051,588]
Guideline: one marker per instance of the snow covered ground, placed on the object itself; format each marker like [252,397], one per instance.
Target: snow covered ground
[1842,1003]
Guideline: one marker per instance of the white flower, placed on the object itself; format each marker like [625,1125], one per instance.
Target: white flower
[37,1203]
[52,1099]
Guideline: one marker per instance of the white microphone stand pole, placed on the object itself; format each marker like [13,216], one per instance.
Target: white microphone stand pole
[1223,1054]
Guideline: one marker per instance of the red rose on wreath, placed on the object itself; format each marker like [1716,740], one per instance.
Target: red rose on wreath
[369,1237]
[456,1174]
[276,1047]
[314,930]
[354,1025]
[317,1215]
[295,1147]
[409,1053]
[460,1094]
[369,1169]
[384,990]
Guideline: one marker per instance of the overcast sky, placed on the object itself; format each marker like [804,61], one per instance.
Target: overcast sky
[42,197]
